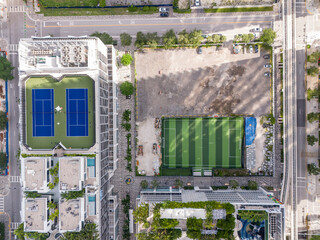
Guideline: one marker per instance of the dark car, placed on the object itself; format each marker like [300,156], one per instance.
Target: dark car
[199,50]
[256,48]
[266,56]
[164,14]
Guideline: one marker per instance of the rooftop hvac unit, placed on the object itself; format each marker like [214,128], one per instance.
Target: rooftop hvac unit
[77,58]
[65,50]
[65,59]
[77,49]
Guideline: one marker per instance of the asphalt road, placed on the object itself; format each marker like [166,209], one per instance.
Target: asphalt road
[227,25]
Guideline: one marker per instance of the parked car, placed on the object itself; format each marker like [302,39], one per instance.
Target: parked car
[267,66]
[257,29]
[197,2]
[266,56]
[163,9]
[199,50]
[267,74]
[250,49]
[164,14]
[256,48]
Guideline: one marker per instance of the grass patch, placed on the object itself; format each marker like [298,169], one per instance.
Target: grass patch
[176,171]
[247,9]
[60,131]
[69,3]
[177,10]
[95,11]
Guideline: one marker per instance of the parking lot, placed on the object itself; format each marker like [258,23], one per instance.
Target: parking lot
[216,82]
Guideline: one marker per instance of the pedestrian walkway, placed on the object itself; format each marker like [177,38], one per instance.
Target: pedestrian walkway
[15,179]
[20,8]
[1,204]
[13,47]
[14,225]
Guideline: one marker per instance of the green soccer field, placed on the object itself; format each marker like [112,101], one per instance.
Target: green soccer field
[202,142]
[60,130]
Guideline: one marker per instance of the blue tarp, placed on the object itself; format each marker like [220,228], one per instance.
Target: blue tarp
[250,129]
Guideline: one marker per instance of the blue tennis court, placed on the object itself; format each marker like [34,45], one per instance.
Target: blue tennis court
[42,113]
[77,112]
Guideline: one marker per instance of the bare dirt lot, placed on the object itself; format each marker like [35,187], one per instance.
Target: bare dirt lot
[182,82]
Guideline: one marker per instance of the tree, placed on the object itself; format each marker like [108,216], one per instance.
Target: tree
[268,36]
[154,183]
[2,231]
[253,215]
[312,117]
[51,205]
[102,3]
[126,88]
[73,194]
[3,160]
[152,39]
[223,38]
[19,232]
[315,237]
[141,213]
[178,183]
[313,57]
[194,234]
[54,215]
[233,184]
[311,93]
[168,223]
[245,38]
[144,184]
[32,194]
[126,115]
[311,139]
[169,39]
[88,232]
[104,37]
[312,169]
[141,40]
[5,69]
[194,223]
[215,38]
[183,37]
[3,120]
[125,39]
[195,37]
[237,37]
[313,71]
[126,59]
[252,185]
[227,224]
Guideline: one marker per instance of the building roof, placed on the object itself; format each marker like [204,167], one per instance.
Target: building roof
[35,173]
[35,214]
[69,215]
[183,213]
[70,171]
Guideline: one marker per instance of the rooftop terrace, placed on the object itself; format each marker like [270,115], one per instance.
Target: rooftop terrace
[71,173]
[35,172]
[70,219]
[35,214]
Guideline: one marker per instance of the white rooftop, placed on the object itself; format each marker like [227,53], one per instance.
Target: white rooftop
[183,213]
[70,215]
[35,174]
[71,171]
[35,214]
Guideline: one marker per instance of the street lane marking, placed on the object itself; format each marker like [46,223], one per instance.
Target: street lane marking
[149,24]
[15,179]
[14,225]
[1,204]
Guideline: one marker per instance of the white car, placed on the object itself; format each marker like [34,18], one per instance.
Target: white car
[163,9]
[197,2]
[267,66]
[250,49]
[257,29]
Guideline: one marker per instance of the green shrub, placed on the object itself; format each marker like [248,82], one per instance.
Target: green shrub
[313,71]
[252,185]
[126,126]
[126,59]
[253,215]
[102,3]
[311,139]
[51,185]
[126,88]
[73,194]
[126,115]
[2,231]
[188,187]
[132,8]
[3,160]
[32,194]
[168,223]
[228,223]
[104,37]
[219,187]
[125,39]
[194,234]
[194,224]
[312,117]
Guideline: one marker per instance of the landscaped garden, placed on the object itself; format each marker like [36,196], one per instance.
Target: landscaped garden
[154,226]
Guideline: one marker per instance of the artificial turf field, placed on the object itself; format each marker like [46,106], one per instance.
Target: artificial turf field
[202,142]
[60,118]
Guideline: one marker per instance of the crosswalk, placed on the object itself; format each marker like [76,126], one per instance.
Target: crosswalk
[15,179]
[13,47]
[14,225]
[20,8]
[1,204]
